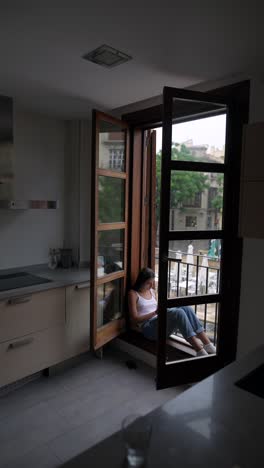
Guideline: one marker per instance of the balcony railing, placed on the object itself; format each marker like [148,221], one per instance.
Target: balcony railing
[202,276]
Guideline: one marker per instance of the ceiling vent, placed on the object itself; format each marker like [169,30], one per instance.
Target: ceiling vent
[107,56]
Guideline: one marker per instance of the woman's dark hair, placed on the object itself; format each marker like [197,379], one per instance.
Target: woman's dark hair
[144,275]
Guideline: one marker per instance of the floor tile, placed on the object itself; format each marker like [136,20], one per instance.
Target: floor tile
[40,457]
[53,419]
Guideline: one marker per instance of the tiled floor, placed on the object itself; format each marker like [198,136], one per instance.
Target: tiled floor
[51,420]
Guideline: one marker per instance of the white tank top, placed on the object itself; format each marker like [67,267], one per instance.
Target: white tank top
[145,306]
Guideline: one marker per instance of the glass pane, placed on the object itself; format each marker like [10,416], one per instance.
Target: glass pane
[206,317]
[111,195]
[196,201]
[194,267]
[109,302]
[110,251]
[201,140]
[112,142]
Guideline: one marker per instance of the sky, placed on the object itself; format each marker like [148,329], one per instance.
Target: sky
[210,131]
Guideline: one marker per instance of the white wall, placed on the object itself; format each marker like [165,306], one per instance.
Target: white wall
[77,223]
[85,190]
[26,236]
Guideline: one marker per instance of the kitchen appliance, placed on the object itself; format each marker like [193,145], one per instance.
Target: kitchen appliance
[66,258]
[20,280]
[29,204]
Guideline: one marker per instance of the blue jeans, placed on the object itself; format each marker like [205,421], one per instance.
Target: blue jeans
[178,318]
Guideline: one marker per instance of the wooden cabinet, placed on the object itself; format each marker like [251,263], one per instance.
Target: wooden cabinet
[32,333]
[23,356]
[42,329]
[32,312]
[77,319]
[251,222]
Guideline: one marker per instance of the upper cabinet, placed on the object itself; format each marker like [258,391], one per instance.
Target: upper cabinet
[251,222]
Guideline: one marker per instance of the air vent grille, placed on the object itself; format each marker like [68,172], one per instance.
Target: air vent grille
[107,56]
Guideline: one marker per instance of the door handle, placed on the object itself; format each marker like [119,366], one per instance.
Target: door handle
[20,343]
[82,285]
[19,300]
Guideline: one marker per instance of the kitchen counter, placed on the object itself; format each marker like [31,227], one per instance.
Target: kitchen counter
[213,424]
[59,277]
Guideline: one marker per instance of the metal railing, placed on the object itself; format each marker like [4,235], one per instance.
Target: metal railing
[202,276]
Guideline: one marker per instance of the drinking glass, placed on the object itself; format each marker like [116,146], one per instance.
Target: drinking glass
[136,434]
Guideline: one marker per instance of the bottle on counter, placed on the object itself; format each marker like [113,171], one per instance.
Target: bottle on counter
[53,259]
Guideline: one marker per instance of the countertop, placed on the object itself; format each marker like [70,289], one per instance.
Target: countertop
[59,277]
[214,424]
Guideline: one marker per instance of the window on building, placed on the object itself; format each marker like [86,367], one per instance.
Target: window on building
[194,202]
[212,192]
[116,158]
[209,222]
[191,221]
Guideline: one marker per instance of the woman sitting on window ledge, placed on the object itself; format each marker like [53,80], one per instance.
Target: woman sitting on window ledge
[143,312]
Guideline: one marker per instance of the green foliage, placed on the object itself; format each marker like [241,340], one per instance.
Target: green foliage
[184,184]
[217,202]
[111,199]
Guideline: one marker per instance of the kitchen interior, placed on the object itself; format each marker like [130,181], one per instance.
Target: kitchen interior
[60,405]
[47,372]
[44,282]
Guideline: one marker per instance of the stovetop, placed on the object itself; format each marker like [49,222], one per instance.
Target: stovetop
[20,280]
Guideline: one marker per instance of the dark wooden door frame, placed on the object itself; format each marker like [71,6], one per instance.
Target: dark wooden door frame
[238,96]
[104,334]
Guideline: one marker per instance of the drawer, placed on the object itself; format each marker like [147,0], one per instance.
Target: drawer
[29,313]
[32,353]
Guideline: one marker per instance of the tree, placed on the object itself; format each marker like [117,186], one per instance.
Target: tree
[217,202]
[184,184]
[111,199]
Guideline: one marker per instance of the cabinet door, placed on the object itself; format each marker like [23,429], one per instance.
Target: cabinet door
[32,353]
[28,313]
[77,319]
[252,155]
[251,223]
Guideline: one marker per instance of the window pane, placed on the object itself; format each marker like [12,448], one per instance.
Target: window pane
[110,252]
[112,140]
[201,140]
[196,201]
[194,267]
[111,199]
[208,316]
[109,302]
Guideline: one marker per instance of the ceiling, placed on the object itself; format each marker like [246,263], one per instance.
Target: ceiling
[190,42]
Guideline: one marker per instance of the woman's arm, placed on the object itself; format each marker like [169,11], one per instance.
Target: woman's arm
[132,306]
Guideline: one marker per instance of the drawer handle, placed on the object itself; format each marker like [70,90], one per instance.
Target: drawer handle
[19,300]
[82,286]
[18,344]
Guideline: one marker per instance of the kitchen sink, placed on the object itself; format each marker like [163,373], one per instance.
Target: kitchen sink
[253,382]
[20,280]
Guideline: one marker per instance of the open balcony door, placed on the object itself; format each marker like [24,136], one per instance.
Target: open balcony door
[191,106]
[110,227]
